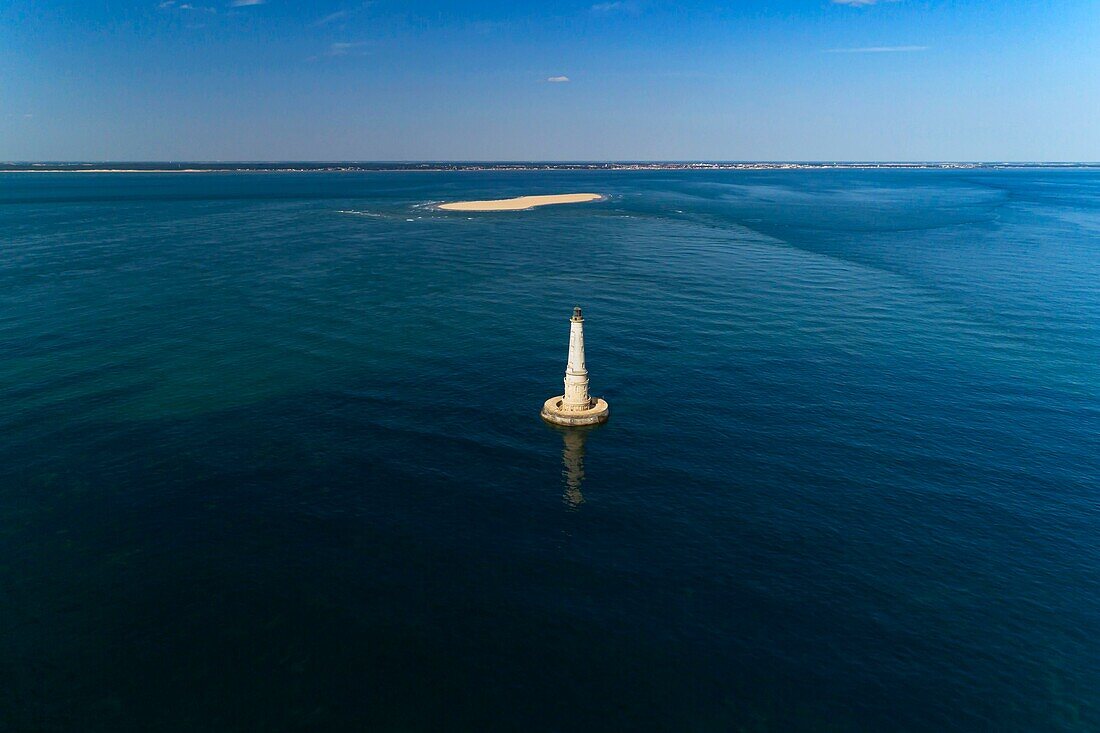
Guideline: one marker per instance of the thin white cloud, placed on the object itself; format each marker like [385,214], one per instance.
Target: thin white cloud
[343,48]
[558,79]
[174,5]
[879,49]
[616,6]
[332,17]
[243,3]
[343,14]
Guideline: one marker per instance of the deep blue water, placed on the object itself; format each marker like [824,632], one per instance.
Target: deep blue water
[270,455]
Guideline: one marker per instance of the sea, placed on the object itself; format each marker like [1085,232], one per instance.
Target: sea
[271,456]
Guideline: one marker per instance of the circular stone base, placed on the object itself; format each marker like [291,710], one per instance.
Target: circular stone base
[597,413]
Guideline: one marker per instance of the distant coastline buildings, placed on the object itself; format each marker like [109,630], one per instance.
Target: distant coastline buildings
[362,167]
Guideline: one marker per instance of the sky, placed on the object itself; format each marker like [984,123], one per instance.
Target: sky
[206,80]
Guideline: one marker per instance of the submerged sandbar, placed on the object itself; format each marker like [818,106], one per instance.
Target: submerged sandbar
[519,203]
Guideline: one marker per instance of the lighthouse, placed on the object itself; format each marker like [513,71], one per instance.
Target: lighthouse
[575,406]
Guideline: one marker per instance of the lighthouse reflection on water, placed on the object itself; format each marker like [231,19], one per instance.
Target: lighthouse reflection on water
[572,459]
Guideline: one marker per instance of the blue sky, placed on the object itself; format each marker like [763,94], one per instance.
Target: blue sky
[625,79]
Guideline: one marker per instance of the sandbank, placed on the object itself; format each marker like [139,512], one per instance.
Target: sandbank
[521,203]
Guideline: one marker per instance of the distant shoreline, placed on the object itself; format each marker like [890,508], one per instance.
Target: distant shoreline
[288,167]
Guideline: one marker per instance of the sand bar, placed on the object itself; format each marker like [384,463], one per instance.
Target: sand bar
[521,203]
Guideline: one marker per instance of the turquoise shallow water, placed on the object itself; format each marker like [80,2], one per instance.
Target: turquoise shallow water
[270,456]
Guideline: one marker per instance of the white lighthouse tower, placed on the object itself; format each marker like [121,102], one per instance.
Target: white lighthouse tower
[576,406]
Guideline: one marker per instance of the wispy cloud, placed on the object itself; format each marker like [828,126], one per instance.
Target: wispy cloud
[879,49]
[558,79]
[616,6]
[342,14]
[173,5]
[344,48]
[243,3]
[332,17]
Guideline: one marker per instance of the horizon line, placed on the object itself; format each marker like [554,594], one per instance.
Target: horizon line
[548,161]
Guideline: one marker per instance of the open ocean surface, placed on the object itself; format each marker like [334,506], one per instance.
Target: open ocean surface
[271,460]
